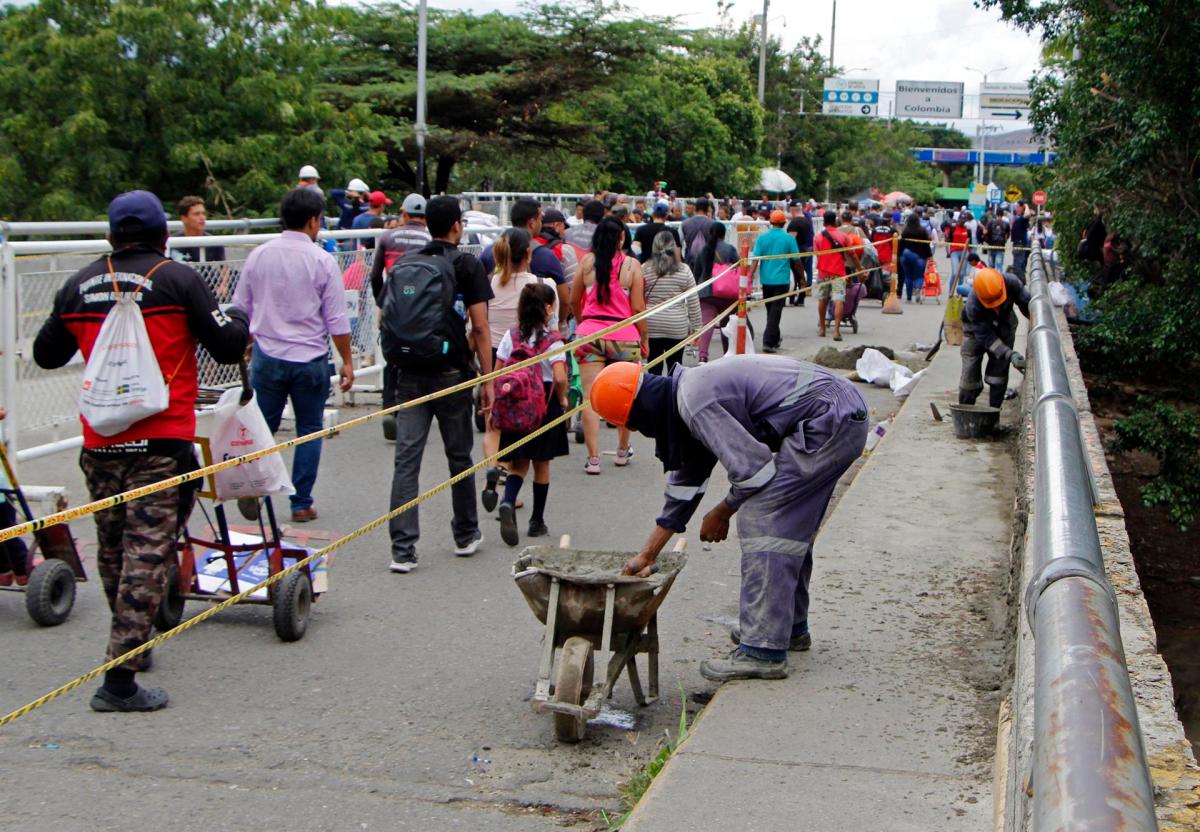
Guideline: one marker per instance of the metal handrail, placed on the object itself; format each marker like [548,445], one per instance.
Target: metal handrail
[1089,769]
[69,229]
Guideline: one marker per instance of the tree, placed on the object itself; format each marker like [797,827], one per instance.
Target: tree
[1120,111]
[174,96]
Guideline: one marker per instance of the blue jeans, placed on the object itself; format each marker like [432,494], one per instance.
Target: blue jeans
[956,257]
[996,259]
[912,271]
[455,416]
[307,385]
[1020,258]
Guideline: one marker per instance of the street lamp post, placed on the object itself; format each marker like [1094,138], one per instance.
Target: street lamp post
[419,128]
[983,131]
[762,55]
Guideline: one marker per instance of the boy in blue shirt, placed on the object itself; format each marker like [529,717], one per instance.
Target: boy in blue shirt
[774,275]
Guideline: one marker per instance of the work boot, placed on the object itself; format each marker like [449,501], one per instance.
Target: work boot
[143,699]
[798,644]
[738,665]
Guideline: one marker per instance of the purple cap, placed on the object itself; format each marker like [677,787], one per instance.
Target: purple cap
[136,211]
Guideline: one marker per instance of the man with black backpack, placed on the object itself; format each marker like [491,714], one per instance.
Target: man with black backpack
[997,239]
[428,300]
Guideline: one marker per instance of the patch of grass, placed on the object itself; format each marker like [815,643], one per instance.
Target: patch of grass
[632,791]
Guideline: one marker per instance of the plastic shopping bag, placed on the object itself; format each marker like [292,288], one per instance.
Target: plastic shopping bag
[238,430]
[730,333]
[874,368]
[122,382]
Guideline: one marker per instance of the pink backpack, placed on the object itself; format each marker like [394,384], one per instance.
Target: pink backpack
[520,401]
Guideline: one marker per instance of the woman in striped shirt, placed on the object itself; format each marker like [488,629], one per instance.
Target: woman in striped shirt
[666,276]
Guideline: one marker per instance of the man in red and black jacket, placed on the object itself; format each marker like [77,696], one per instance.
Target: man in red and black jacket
[137,539]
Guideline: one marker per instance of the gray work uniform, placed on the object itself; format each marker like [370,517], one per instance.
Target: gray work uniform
[990,333]
[785,431]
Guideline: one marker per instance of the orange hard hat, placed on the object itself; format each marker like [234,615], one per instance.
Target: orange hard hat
[613,391]
[989,288]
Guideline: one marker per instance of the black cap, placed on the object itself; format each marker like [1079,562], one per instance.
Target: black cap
[136,211]
[552,215]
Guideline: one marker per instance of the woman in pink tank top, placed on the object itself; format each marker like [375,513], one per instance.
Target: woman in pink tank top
[608,288]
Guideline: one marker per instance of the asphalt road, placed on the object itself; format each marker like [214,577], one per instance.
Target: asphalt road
[406,705]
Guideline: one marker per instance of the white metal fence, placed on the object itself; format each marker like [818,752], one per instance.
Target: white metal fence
[43,404]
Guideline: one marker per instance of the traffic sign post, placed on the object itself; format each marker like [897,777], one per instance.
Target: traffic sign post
[850,97]
[993,194]
[1012,194]
[1039,198]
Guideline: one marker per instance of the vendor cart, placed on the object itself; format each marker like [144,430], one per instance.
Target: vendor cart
[588,605]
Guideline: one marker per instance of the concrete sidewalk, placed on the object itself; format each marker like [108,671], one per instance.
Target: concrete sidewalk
[889,722]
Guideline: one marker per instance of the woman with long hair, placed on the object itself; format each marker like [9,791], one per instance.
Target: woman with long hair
[915,251]
[534,330]
[608,288]
[667,276]
[512,252]
[713,257]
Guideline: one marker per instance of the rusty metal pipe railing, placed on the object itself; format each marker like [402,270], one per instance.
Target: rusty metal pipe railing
[1088,770]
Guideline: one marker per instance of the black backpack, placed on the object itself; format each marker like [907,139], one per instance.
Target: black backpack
[417,328]
[997,232]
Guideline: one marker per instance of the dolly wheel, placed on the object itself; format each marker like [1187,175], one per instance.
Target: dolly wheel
[292,604]
[170,610]
[854,325]
[51,592]
[572,685]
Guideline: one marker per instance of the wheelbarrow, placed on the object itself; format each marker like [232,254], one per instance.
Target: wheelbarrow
[588,605]
[50,589]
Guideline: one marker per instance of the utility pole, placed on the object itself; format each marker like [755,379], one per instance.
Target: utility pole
[762,55]
[419,128]
[983,127]
[832,34]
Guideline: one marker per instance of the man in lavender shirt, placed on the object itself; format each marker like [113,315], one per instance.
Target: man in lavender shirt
[292,292]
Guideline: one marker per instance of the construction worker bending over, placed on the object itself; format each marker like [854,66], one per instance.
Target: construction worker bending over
[785,431]
[990,328]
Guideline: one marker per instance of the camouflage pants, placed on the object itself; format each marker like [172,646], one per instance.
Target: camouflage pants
[136,541]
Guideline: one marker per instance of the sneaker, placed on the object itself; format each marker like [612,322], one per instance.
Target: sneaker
[624,455]
[248,507]
[798,644]
[21,580]
[465,550]
[770,350]
[6,579]
[508,524]
[389,427]
[404,565]
[740,666]
[489,497]
[592,466]
[144,699]
[537,528]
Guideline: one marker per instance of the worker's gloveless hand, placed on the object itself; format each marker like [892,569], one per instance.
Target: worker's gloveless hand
[640,565]
[715,527]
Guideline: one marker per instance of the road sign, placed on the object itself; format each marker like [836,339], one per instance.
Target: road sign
[993,195]
[1039,198]
[929,99]
[1004,101]
[1013,193]
[850,97]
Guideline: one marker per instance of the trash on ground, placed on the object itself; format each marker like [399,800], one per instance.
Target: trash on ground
[878,432]
[875,368]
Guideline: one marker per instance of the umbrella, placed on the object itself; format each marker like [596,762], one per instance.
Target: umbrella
[776,181]
[897,196]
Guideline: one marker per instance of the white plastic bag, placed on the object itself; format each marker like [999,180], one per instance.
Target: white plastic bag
[874,368]
[1059,295]
[239,430]
[122,382]
[904,380]
[730,332]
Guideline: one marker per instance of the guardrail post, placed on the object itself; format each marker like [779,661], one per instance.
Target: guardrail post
[9,318]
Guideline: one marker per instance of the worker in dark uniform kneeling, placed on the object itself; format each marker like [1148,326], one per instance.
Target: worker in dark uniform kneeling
[989,323]
[785,431]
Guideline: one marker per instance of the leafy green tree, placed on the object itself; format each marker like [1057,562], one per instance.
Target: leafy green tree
[175,96]
[1118,102]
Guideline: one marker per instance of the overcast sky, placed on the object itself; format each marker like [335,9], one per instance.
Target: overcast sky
[877,39]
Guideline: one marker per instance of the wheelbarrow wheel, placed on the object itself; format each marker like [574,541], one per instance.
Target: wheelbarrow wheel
[170,611]
[50,594]
[292,604]
[573,685]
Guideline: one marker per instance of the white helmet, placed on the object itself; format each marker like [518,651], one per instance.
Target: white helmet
[308,172]
[357,185]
